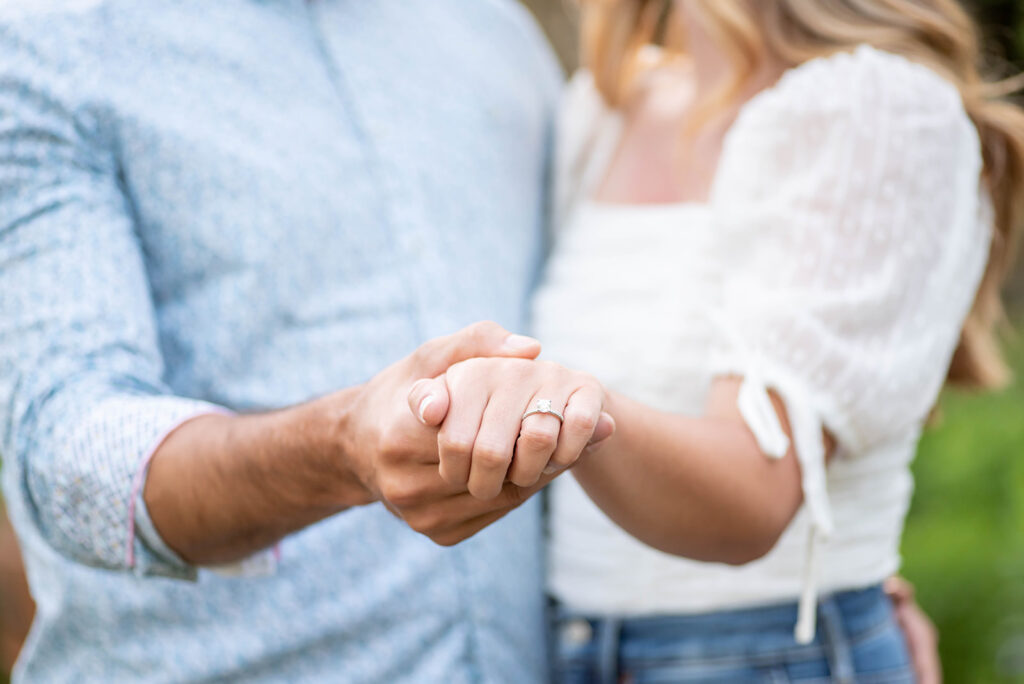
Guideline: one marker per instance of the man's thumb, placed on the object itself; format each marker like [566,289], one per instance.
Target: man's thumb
[478,340]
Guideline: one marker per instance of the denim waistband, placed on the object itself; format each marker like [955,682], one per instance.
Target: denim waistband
[757,636]
[861,610]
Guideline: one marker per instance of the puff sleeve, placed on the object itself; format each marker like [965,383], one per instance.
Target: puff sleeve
[848,203]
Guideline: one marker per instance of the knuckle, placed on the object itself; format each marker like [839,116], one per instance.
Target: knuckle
[399,492]
[524,478]
[580,422]
[455,375]
[492,455]
[416,358]
[425,522]
[480,332]
[485,327]
[539,437]
[564,460]
[455,445]
[484,492]
[424,353]
[392,448]
[465,371]
[415,523]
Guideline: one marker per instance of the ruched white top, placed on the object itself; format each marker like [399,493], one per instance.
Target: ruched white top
[835,262]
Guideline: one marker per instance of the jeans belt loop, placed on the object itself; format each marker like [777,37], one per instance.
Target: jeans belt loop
[609,631]
[836,641]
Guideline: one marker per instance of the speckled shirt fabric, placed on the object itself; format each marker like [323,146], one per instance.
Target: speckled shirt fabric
[244,204]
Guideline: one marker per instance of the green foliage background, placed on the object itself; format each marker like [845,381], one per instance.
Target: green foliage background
[964,542]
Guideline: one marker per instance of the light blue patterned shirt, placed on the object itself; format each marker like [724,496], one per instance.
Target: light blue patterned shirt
[245,204]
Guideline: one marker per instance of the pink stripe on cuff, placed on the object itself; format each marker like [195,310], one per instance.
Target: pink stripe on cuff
[140,473]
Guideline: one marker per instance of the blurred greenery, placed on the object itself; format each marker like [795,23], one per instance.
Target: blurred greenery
[964,542]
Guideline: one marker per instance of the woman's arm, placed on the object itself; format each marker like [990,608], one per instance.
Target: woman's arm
[698,487]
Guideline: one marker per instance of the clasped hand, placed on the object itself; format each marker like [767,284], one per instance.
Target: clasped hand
[439,438]
[485,439]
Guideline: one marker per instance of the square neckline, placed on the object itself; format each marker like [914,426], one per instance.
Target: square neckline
[615,133]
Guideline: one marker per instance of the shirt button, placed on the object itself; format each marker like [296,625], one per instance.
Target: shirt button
[577,632]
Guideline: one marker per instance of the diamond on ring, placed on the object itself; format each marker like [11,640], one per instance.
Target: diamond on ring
[543,406]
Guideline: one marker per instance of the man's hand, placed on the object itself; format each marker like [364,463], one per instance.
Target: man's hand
[396,455]
[222,487]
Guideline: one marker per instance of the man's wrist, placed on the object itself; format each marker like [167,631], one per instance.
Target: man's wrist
[328,430]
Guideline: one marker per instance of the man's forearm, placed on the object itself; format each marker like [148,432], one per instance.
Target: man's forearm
[220,488]
[223,487]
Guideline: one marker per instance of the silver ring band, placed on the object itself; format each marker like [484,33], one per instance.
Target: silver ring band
[543,406]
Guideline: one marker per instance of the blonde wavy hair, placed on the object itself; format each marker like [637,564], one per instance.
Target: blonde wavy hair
[936,33]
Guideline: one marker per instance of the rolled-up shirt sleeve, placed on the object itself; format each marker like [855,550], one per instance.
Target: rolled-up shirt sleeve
[81,392]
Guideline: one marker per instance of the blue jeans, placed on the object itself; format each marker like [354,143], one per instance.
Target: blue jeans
[858,640]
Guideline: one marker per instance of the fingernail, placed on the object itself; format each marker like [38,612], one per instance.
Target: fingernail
[423,407]
[516,342]
[591,448]
[551,470]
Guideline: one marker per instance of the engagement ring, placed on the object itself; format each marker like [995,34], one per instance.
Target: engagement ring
[544,406]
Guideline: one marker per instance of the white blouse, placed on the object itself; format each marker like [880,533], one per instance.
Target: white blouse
[835,262]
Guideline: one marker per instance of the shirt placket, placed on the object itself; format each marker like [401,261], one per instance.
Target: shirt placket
[420,265]
[400,206]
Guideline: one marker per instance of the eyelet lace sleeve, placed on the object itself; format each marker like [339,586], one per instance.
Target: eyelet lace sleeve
[854,237]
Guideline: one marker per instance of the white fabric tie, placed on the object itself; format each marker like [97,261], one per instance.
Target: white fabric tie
[806,617]
[755,405]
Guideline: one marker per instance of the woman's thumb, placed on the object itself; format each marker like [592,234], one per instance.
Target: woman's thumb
[428,400]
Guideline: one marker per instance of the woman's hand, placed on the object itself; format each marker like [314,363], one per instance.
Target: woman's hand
[918,629]
[484,438]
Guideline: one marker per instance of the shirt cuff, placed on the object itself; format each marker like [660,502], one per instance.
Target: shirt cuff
[152,557]
[149,555]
